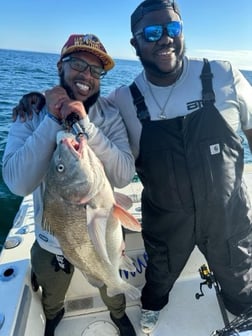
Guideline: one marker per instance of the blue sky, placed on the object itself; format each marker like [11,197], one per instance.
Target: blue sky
[215,29]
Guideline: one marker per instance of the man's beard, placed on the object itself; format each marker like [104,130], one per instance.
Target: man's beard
[154,68]
[87,103]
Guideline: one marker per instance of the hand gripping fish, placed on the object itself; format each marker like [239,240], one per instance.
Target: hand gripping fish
[81,212]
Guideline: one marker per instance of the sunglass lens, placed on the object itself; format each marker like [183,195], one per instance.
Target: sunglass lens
[78,65]
[153,33]
[174,28]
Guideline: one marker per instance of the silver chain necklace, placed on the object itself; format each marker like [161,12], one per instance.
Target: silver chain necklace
[162,115]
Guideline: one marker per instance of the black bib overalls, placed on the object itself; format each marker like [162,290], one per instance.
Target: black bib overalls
[191,169]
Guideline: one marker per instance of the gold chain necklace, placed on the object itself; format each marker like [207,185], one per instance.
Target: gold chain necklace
[162,115]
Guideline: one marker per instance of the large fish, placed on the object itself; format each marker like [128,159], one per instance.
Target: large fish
[81,212]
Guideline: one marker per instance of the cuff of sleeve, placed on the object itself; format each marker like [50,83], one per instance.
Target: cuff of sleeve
[51,116]
[87,126]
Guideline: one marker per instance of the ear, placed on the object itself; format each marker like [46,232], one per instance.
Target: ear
[60,67]
[134,44]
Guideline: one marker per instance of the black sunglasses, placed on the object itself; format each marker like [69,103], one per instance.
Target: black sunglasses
[81,65]
[154,33]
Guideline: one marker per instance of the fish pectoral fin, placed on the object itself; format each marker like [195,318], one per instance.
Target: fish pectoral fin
[126,288]
[97,224]
[46,225]
[126,263]
[123,200]
[127,220]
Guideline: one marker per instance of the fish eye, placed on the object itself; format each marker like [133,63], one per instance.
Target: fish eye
[60,168]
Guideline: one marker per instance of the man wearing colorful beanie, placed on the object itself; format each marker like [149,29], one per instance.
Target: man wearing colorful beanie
[83,62]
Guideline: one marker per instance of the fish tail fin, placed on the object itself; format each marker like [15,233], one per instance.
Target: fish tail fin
[128,221]
[133,292]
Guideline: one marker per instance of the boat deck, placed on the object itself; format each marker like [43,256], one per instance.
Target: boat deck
[185,315]
[21,312]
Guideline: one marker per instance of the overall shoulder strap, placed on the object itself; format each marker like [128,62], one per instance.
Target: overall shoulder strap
[208,96]
[138,99]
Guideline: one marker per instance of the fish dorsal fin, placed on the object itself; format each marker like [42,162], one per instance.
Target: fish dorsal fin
[97,224]
[123,200]
[127,220]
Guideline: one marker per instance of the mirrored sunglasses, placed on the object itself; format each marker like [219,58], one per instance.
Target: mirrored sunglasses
[81,65]
[155,32]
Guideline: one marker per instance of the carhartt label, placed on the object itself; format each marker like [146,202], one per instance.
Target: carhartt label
[215,149]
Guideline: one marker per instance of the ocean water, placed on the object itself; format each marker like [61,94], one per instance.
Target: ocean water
[22,72]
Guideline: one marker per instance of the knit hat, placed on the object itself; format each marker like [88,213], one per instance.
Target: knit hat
[148,6]
[89,43]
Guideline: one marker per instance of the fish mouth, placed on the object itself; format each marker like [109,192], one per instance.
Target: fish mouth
[75,147]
